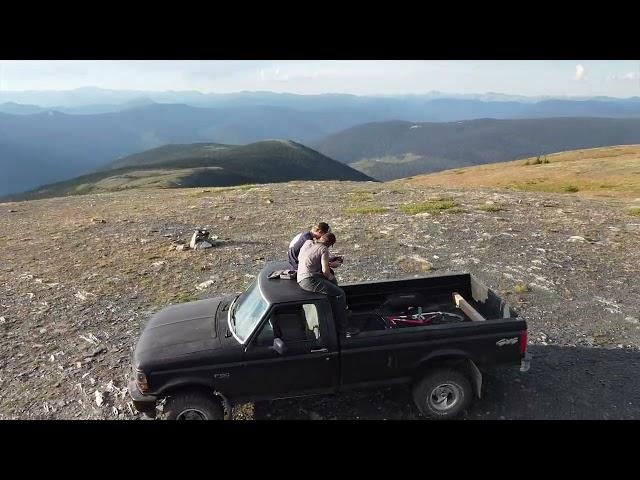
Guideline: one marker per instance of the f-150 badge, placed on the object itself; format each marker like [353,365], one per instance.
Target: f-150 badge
[507,341]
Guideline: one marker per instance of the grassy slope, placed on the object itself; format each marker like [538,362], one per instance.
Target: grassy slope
[607,171]
[206,165]
[389,150]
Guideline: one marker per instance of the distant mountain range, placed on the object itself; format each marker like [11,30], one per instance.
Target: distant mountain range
[82,97]
[389,150]
[52,136]
[23,109]
[205,165]
[52,146]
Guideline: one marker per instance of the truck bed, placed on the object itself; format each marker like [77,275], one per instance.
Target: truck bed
[370,302]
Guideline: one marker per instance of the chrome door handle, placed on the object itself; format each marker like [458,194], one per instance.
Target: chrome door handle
[320,350]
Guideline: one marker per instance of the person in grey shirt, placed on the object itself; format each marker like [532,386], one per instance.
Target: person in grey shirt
[314,275]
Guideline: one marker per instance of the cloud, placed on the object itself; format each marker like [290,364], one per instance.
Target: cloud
[629,76]
[580,72]
[286,74]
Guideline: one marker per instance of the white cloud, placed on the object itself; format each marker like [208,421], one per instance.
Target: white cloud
[629,76]
[580,72]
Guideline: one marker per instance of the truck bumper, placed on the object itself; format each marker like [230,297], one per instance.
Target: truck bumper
[143,403]
[525,363]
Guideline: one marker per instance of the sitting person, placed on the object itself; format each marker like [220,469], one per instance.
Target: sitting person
[296,244]
[314,275]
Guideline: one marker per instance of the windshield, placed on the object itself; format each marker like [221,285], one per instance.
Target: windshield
[247,312]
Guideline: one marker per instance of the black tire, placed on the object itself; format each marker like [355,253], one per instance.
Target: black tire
[193,405]
[442,394]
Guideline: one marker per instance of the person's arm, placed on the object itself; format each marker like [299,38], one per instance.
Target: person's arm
[326,269]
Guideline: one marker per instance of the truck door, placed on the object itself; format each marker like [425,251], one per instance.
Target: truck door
[309,364]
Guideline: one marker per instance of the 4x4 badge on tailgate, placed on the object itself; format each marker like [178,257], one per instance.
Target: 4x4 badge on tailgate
[507,341]
[220,375]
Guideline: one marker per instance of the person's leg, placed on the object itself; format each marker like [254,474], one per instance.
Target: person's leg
[322,285]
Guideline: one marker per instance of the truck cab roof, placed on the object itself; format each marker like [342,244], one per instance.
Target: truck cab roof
[278,290]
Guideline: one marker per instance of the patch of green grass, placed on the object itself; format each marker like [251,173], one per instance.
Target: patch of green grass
[361,195]
[244,187]
[365,210]
[633,211]
[521,288]
[571,189]
[537,161]
[430,206]
[455,210]
[488,207]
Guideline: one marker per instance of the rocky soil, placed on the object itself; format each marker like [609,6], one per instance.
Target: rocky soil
[79,276]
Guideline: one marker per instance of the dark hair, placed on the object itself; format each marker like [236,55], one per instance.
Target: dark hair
[322,227]
[328,239]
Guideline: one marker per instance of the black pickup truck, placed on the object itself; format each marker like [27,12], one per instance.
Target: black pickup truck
[277,341]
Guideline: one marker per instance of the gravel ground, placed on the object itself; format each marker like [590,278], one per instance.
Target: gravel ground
[79,276]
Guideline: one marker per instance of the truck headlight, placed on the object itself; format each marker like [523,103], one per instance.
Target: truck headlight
[141,381]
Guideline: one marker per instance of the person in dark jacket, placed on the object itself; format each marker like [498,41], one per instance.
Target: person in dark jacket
[295,245]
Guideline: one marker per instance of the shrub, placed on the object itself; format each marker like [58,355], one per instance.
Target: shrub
[521,288]
[571,189]
[491,207]
[634,211]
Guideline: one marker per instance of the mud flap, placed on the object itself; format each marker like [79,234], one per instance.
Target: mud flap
[476,375]
[525,363]
[226,405]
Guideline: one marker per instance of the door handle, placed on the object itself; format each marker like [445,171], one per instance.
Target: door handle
[320,350]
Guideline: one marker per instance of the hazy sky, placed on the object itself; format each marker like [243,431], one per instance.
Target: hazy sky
[360,77]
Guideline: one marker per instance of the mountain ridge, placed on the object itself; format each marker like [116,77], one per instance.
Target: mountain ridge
[389,150]
[204,165]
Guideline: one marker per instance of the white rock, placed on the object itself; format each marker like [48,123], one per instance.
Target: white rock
[206,284]
[99,398]
[576,238]
[83,295]
[423,262]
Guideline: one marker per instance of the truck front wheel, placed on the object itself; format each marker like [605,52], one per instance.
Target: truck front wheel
[442,394]
[192,405]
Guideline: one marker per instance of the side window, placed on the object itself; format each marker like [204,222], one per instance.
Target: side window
[291,323]
[312,320]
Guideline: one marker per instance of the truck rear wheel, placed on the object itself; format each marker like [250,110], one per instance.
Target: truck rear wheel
[193,405]
[442,394]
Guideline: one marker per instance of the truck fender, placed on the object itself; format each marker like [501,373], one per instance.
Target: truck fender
[183,383]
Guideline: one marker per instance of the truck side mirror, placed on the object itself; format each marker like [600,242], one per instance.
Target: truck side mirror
[279,346]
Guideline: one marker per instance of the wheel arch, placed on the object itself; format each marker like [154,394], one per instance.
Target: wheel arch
[456,359]
[195,384]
